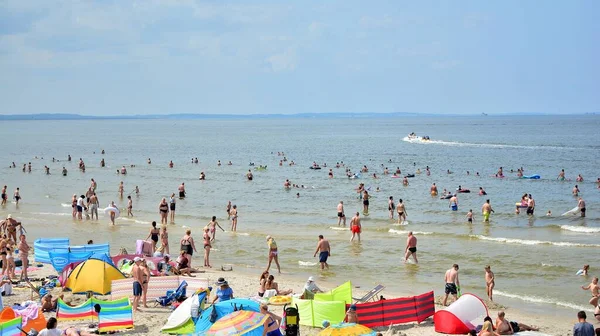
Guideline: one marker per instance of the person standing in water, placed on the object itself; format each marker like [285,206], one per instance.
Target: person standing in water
[391,207]
[181,190]
[163,210]
[490,282]
[340,213]
[4,196]
[433,190]
[575,190]
[249,175]
[595,290]
[153,235]
[355,226]
[17,196]
[129,206]
[530,205]
[273,254]
[486,210]
[401,212]
[112,213]
[212,225]
[324,250]
[172,208]
[366,202]
[561,175]
[453,203]
[234,218]
[411,247]
[207,247]
[581,206]
[121,189]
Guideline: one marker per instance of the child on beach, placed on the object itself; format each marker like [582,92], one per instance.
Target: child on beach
[470,216]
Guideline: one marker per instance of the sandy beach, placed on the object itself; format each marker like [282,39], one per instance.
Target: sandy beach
[150,320]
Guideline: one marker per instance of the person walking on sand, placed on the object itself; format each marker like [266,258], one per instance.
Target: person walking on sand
[172,208]
[24,255]
[163,210]
[234,218]
[340,213]
[593,288]
[137,275]
[355,226]
[206,237]
[273,253]
[187,245]
[324,250]
[581,206]
[401,212]
[411,247]
[452,283]
[153,235]
[212,225]
[391,207]
[129,206]
[164,239]
[490,282]
[486,210]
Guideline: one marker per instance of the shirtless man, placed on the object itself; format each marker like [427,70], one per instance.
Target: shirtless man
[486,210]
[581,206]
[138,276]
[324,250]
[4,196]
[489,281]
[593,287]
[401,212]
[500,172]
[433,190]
[575,190]
[561,175]
[93,185]
[452,283]
[228,209]
[17,196]
[391,207]
[355,226]
[411,247]
[88,194]
[181,190]
[249,175]
[505,327]
[530,205]
[453,204]
[340,213]
[94,204]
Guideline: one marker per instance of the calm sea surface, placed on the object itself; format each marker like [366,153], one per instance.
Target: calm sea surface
[534,259]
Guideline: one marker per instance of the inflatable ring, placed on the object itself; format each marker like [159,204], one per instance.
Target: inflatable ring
[280,300]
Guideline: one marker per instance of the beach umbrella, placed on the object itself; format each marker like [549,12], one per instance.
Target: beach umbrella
[347,329]
[241,322]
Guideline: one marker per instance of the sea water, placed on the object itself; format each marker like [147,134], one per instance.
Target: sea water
[534,258]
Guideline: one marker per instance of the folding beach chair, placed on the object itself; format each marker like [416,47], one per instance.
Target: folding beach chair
[172,297]
[371,295]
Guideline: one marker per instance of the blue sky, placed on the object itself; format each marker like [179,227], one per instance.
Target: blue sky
[245,57]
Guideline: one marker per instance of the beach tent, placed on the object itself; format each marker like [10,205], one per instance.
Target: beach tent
[459,317]
[93,275]
[61,258]
[181,320]
[222,309]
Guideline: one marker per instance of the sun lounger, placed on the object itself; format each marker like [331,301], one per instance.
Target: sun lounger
[371,295]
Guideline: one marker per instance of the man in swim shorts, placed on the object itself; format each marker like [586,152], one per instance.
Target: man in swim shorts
[340,213]
[454,203]
[505,327]
[486,210]
[452,283]
[324,250]
[137,274]
[581,206]
[355,226]
[182,190]
[530,205]
[411,247]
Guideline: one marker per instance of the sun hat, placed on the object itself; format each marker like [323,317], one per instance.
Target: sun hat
[136,259]
[9,216]
[269,237]
[310,278]
[221,282]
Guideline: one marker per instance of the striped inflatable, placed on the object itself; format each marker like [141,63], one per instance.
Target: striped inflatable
[11,328]
[113,319]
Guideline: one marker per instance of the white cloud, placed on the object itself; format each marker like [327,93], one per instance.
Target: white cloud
[285,61]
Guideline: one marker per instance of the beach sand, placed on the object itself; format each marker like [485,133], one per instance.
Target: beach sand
[151,320]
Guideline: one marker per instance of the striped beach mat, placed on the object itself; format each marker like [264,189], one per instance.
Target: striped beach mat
[157,286]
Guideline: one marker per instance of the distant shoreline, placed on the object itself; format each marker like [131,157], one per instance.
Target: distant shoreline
[63,116]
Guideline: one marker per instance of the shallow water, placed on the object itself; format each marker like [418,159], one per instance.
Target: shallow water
[534,258]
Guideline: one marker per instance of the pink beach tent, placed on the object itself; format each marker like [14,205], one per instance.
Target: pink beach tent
[459,317]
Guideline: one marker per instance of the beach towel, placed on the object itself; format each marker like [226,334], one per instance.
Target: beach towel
[27,313]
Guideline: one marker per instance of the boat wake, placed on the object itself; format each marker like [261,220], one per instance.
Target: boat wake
[484,145]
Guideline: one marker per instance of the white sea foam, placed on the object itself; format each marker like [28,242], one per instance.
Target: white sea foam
[51,214]
[541,300]
[401,224]
[65,205]
[532,242]
[582,229]
[306,263]
[339,228]
[401,232]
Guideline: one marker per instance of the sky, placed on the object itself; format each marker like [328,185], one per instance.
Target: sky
[253,57]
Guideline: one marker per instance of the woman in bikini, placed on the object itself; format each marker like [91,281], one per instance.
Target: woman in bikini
[154,232]
[262,282]
[146,278]
[234,218]
[3,253]
[10,269]
[271,326]
[74,205]
[172,207]
[187,245]
[207,247]
[163,210]
[271,284]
